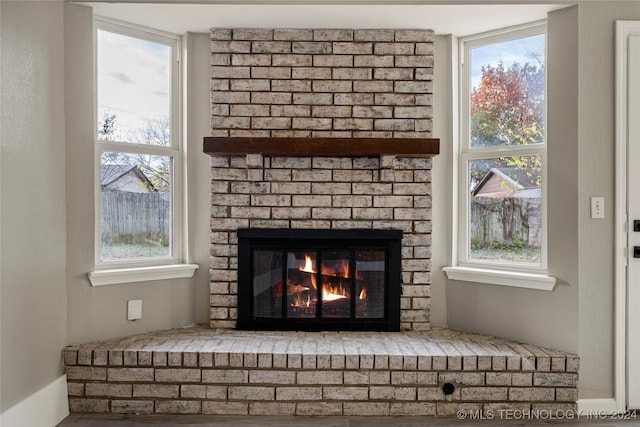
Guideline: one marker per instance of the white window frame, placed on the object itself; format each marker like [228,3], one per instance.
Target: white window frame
[477,271]
[107,272]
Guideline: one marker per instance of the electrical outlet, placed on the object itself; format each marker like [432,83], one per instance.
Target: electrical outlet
[134,309]
[597,207]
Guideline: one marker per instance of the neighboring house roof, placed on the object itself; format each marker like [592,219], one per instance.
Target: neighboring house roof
[113,177]
[511,182]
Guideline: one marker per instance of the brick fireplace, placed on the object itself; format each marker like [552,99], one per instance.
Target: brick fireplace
[323,130]
[347,85]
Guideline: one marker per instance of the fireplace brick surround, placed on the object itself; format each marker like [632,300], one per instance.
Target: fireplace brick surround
[321,193]
[321,83]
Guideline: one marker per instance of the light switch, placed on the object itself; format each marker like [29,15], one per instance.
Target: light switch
[134,309]
[597,207]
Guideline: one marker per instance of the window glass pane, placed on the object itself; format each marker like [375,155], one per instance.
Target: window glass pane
[302,287]
[370,284]
[505,210]
[267,283]
[507,93]
[135,206]
[336,284]
[134,80]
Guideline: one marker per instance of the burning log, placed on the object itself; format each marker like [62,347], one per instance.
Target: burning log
[336,287]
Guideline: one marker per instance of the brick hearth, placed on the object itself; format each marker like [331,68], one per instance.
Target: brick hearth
[200,370]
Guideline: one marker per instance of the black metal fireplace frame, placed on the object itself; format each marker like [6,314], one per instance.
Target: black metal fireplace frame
[300,239]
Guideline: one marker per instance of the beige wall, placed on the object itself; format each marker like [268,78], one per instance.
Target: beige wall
[33,216]
[100,312]
[596,178]
[197,123]
[47,158]
[47,202]
[540,317]
[444,72]
[578,315]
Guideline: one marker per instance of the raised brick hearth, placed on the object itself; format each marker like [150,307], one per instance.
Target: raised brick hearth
[199,370]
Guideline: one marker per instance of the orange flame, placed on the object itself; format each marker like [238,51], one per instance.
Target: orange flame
[330,292]
[333,293]
[300,301]
[340,270]
[308,265]
[308,268]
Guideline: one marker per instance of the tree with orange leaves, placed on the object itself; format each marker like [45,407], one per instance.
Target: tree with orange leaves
[507,108]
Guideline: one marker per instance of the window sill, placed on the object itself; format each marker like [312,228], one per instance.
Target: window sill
[141,274]
[540,282]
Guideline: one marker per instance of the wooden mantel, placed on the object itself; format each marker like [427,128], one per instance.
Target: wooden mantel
[327,147]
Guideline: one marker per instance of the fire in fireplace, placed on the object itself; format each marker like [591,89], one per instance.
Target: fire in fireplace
[319,279]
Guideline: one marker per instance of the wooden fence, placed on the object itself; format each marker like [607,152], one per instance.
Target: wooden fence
[505,221]
[135,217]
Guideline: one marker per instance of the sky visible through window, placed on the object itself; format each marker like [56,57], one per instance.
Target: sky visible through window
[522,50]
[134,78]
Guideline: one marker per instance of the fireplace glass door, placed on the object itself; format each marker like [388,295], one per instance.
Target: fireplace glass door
[333,281]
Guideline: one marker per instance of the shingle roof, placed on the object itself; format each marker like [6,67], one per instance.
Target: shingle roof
[526,178]
[519,179]
[111,173]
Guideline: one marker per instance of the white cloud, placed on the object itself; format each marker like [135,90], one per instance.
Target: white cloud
[509,52]
[133,80]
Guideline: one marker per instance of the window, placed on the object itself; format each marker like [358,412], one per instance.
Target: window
[501,185]
[138,147]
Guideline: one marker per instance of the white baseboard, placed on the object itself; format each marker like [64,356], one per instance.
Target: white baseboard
[46,407]
[609,406]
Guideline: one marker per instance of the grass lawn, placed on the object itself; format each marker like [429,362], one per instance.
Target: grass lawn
[125,251]
[520,255]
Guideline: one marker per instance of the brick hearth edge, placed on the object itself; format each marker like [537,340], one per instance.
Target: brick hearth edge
[226,372]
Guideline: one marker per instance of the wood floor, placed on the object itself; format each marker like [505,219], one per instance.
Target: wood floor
[107,420]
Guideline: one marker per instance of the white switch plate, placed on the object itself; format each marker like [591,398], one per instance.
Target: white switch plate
[134,309]
[597,207]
